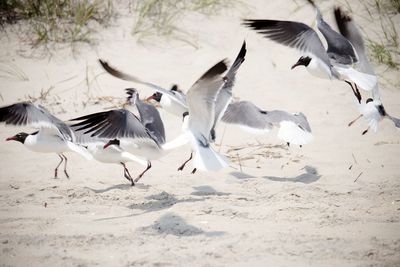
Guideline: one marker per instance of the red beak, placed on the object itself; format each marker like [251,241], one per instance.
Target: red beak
[149,98]
[107,145]
[10,138]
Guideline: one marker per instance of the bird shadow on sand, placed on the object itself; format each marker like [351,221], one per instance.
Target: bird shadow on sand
[241,175]
[125,186]
[172,224]
[154,203]
[206,190]
[310,176]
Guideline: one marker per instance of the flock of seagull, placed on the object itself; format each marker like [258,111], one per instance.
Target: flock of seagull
[125,135]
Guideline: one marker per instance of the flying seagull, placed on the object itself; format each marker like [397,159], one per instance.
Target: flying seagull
[53,135]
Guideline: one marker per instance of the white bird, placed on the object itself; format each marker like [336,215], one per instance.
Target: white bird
[372,109]
[53,135]
[143,137]
[201,99]
[331,63]
[111,154]
[293,128]
[170,104]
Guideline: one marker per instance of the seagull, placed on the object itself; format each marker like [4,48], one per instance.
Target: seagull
[113,154]
[293,128]
[201,99]
[168,103]
[174,100]
[327,64]
[53,135]
[372,109]
[143,137]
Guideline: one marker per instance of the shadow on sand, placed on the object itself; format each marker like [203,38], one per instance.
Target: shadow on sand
[311,175]
[172,224]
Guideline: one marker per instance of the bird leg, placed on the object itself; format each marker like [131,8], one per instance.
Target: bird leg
[183,165]
[365,131]
[127,175]
[65,165]
[194,170]
[355,90]
[55,171]
[140,175]
[353,121]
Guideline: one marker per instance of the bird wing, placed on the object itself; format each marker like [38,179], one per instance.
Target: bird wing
[36,116]
[117,123]
[292,34]
[225,94]
[127,77]
[201,99]
[246,114]
[340,50]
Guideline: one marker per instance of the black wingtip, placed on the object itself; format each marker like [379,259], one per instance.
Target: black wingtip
[217,69]
[312,3]
[260,24]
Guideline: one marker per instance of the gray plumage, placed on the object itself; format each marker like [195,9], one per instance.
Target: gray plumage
[247,114]
[201,99]
[292,34]
[224,96]
[340,50]
[36,116]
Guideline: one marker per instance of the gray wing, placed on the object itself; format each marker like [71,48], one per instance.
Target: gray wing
[277,116]
[292,34]
[151,119]
[36,116]
[127,77]
[339,49]
[247,114]
[84,139]
[201,99]
[396,121]
[117,123]
[225,94]
[349,29]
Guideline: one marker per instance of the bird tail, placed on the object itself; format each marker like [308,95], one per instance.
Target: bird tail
[363,80]
[293,134]
[207,159]
[80,150]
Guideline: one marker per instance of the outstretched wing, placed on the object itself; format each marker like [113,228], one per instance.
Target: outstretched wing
[36,116]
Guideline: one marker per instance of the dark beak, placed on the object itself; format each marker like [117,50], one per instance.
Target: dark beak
[298,63]
[11,138]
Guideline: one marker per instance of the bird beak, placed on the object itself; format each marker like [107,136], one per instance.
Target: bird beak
[107,145]
[298,63]
[149,98]
[11,138]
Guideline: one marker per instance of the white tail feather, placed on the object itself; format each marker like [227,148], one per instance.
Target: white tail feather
[207,159]
[293,134]
[80,150]
[363,80]
[181,140]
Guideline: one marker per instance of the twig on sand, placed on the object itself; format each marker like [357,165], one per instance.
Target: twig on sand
[355,161]
[358,176]
[240,163]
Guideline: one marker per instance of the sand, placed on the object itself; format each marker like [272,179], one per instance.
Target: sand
[333,202]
